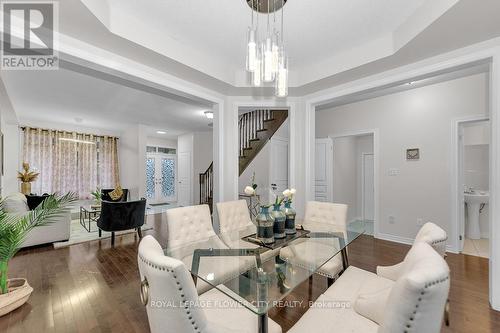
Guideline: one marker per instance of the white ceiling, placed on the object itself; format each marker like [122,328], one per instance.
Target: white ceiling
[323,37]
[70,99]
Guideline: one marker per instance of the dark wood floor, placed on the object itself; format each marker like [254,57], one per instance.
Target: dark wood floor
[93,287]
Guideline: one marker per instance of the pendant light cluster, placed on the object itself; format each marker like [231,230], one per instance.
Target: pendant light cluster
[266,57]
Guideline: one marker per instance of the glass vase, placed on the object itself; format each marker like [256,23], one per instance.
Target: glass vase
[265,223]
[279,222]
[290,219]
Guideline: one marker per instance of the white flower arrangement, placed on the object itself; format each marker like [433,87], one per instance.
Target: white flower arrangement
[288,194]
[249,190]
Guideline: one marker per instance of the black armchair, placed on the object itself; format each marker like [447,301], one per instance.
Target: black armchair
[106,197]
[122,215]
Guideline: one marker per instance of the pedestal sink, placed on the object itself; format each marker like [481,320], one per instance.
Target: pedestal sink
[474,201]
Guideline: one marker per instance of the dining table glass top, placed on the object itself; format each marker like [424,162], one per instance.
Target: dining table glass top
[258,277]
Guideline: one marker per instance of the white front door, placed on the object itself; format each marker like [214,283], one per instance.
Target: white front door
[368,187]
[185,174]
[323,170]
[160,178]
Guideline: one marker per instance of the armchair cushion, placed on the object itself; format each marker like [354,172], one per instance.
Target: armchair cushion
[372,305]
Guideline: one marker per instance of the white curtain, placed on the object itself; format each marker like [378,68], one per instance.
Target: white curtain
[108,163]
[70,166]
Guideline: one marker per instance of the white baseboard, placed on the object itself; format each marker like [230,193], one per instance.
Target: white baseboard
[408,241]
[394,238]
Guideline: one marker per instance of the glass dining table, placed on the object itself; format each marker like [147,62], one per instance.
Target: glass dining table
[259,276]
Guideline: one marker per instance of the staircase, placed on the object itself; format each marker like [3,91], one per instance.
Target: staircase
[207,187]
[255,129]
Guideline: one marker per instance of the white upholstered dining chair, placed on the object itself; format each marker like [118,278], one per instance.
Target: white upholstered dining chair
[431,234]
[173,305]
[363,302]
[192,224]
[319,215]
[190,228]
[234,219]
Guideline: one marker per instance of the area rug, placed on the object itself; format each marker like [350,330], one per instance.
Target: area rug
[80,235]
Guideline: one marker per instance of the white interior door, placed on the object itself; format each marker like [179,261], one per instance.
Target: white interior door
[368,187]
[279,164]
[184,179]
[161,178]
[323,170]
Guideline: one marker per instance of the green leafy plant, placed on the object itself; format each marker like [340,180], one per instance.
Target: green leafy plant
[14,228]
[97,194]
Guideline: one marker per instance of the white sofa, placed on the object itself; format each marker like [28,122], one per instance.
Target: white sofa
[363,302]
[56,231]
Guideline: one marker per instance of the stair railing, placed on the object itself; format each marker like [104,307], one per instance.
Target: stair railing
[249,124]
[207,186]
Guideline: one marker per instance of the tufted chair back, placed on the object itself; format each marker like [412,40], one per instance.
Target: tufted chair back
[187,225]
[233,215]
[171,293]
[326,213]
[433,235]
[418,297]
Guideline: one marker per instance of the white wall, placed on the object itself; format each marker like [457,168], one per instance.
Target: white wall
[132,157]
[364,144]
[202,158]
[476,167]
[420,118]
[261,166]
[347,172]
[344,173]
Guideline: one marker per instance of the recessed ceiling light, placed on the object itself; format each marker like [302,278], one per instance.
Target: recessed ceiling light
[161,132]
[209,114]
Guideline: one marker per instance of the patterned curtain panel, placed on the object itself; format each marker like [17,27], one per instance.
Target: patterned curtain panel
[108,162]
[70,162]
[39,152]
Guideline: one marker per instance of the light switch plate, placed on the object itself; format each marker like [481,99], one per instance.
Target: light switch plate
[393,172]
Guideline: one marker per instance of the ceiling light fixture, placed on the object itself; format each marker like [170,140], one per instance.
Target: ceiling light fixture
[77,141]
[267,60]
[161,132]
[209,114]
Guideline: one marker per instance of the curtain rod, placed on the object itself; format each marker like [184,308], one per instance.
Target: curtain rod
[53,130]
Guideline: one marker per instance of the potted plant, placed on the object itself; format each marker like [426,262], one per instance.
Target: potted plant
[97,194]
[26,177]
[13,230]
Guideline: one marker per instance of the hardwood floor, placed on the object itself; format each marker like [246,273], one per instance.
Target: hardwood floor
[92,287]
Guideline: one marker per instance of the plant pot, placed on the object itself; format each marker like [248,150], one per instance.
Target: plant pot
[19,293]
[25,188]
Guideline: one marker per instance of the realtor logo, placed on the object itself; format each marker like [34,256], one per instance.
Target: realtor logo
[28,35]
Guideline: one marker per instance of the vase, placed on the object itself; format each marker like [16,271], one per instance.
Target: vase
[19,292]
[290,219]
[265,223]
[25,188]
[279,222]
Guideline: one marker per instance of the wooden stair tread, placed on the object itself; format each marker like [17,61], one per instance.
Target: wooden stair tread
[263,135]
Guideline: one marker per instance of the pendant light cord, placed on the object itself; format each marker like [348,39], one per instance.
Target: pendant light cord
[252,13]
[282,18]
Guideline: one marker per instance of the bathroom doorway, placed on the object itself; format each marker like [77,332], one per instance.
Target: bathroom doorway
[473,186]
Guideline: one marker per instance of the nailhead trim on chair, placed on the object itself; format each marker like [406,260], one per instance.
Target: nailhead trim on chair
[317,272]
[440,240]
[161,268]
[422,293]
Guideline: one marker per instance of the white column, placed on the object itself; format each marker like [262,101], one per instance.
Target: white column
[495,184]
